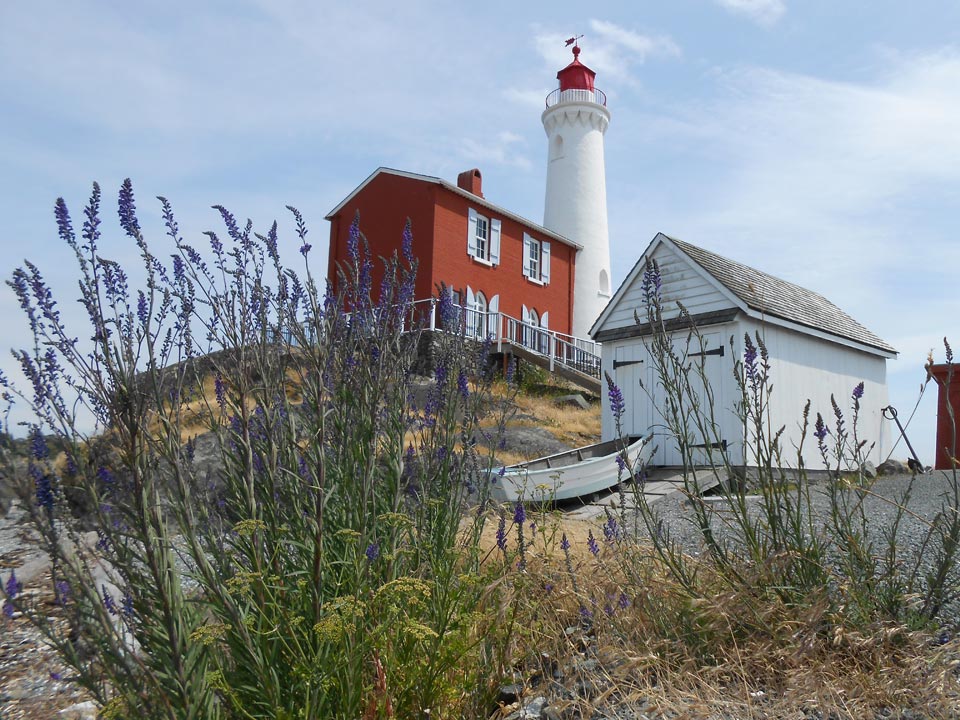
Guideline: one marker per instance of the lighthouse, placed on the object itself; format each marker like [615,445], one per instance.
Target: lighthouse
[575,120]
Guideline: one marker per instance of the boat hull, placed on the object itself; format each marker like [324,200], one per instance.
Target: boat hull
[568,475]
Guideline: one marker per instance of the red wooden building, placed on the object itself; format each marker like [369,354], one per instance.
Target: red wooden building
[500,267]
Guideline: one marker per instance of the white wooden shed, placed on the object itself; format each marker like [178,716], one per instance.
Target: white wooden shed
[815,350]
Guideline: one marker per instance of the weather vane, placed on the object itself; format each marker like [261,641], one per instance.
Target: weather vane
[573,40]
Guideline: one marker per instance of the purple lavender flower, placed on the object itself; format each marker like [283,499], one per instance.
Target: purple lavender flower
[38,445]
[446,312]
[91,226]
[621,465]
[564,543]
[142,308]
[128,210]
[652,282]
[353,239]
[750,359]
[105,476]
[12,589]
[611,528]
[858,391]
[215,243]
[502,532]
[617,404]
[108,603]
[64,225]
[301,225]
[56,676]
[406,244]
[61,592]
[44,488]
[592,544]
[838,414]
[623,602]
[519,514]
[305,248]
[820,429]
[440,374]
[178,268]
[948,350]
[127,606]
[372,552]
[462,385]
[220,390]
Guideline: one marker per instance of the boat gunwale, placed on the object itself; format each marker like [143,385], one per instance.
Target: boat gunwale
[542,463]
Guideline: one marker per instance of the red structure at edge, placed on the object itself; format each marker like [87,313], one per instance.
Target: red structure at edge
[947,378]
[576,75]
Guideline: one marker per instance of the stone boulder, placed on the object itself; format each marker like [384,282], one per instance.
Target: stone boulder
[892,467]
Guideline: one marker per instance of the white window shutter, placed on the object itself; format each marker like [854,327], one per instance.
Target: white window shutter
[493,307]
[544,320]
[472,232]
[545,261]
[495,242]
[526,255]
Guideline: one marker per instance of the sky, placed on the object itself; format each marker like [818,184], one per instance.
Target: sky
[818,141]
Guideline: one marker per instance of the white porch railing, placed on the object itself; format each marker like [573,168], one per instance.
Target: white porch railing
[581,354]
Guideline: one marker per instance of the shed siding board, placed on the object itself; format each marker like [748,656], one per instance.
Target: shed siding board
[681,281]
[804,367]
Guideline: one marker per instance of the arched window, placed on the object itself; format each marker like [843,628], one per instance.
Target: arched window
[604,283]
[530,336]
[479,320]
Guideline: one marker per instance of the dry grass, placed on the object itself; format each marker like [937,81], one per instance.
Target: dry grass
[724,655]
[568,424]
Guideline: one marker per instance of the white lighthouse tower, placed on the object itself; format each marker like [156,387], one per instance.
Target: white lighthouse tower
[575,121]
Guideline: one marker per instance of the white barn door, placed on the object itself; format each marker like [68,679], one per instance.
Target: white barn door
[631,368]
[713,362]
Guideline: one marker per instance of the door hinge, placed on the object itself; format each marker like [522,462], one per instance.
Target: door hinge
[716,351]
[722,445]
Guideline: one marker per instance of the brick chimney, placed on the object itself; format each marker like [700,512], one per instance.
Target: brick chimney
[470,181]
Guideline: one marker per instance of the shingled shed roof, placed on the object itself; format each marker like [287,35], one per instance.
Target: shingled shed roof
[772,296]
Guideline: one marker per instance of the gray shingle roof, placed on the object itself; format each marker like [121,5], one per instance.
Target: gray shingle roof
[773,296]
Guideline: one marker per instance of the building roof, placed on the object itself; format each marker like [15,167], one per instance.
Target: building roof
[766,296]
[475,199]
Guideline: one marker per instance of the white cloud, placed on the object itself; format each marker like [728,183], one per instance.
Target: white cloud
[506,148]
[610,50]
[762,12]
[640,45]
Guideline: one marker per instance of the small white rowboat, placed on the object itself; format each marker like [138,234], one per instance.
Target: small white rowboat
[571,474]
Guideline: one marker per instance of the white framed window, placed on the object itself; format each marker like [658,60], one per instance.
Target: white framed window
[533,258]
[476,313]
[536,259]
[483,238]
